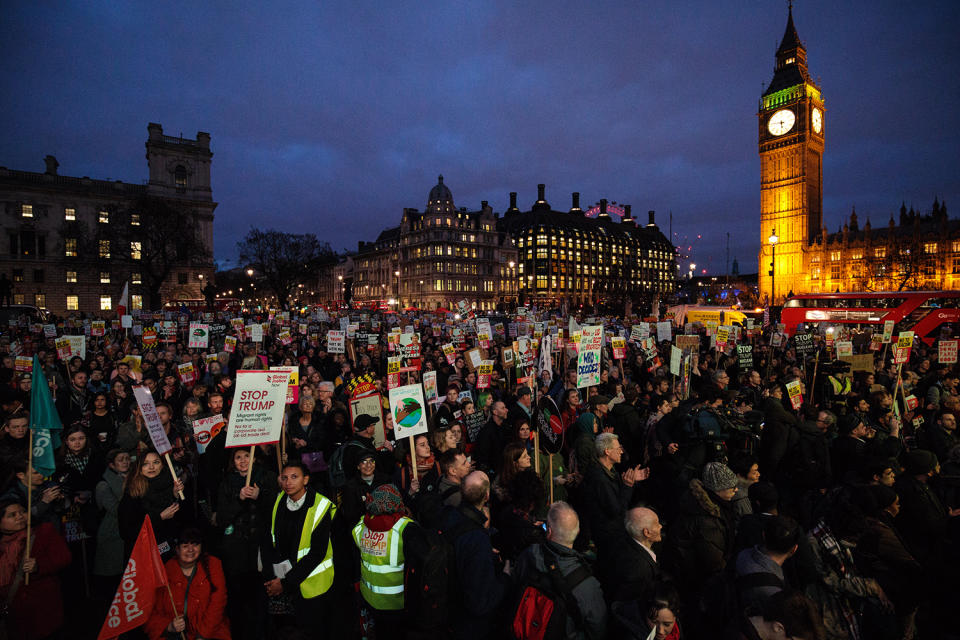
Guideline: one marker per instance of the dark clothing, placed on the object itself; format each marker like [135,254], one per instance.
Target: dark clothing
[132,510]
[884,556]
[922,519]
[604,501]
[752,563]
[588,594]
[630,572]
[243,521]
[807,465]
[777,436]
[37,609]
[630,429]
[489,445]
[846,458]
[700,540]
[516,530]
[481,584]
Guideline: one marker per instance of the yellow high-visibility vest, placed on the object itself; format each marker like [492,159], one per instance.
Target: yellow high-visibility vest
[321,578]
[381,564]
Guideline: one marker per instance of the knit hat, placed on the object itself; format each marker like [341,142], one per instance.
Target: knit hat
[385,499]
[849,422]
[919,462]
[718,476]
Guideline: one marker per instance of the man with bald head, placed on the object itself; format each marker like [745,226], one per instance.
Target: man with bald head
[481,583]
[632,571]
[577,579]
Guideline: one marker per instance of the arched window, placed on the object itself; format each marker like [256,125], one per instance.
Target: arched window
[180,176]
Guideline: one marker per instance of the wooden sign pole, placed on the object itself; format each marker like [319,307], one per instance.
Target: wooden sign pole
[174,473]
[29,483]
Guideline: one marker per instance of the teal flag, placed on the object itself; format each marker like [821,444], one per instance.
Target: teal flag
[44,422]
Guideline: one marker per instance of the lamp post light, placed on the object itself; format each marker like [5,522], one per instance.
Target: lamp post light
[397,274]
[421,294]
[773,266]
[340,303]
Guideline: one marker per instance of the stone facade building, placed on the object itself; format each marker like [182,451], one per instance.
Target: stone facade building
[72,243]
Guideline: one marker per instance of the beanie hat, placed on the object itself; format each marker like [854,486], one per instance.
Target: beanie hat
[849,422]
[718,476]
[385,499]
[919,462]
[884,496]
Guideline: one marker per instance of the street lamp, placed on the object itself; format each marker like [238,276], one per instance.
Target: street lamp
[397,274]
[421,294]
[250,272]
[340,304]
[773,260]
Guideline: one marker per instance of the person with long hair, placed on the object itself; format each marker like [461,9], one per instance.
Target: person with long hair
[108,558]
[103,422]
[36,609]
[200,591]
[428,470]
[150,490]
[515,459]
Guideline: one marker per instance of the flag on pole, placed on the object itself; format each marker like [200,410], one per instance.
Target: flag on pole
[44,422]
[124,300]
[137,593]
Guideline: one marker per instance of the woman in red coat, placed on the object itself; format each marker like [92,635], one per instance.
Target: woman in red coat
[36,609]
[196,578]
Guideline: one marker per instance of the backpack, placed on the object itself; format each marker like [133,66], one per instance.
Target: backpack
[338,475]
[546,601]
[429,505]
[431,577]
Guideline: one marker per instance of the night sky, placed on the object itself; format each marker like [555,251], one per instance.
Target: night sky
[331,117]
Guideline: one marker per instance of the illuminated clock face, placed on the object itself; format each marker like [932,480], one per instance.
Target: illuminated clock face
[781,122]
[816,119]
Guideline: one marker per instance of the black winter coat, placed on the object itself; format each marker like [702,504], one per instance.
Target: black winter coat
[604,501]
[700,541]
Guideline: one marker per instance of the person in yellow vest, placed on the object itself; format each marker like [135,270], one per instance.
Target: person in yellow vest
[383,535]
[297,553]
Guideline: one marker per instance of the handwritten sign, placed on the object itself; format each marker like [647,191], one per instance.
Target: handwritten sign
[588,356]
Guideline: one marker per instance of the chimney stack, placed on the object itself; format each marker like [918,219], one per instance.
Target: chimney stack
[513,202]
[626,214]
[541,189]
[603,215]
[576,203]
[52,165]
[483,204]
[652,222]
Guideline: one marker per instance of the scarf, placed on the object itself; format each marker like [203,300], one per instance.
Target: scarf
[12,547]
[76,461]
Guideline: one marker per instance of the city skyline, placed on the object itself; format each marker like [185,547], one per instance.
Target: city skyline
[654,106]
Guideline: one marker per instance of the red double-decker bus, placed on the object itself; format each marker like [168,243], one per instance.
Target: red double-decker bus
[922,312]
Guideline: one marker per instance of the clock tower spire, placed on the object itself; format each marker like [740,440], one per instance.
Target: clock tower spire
[791,141]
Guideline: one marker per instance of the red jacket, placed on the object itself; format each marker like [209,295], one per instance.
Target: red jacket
[205,607]
[37,609]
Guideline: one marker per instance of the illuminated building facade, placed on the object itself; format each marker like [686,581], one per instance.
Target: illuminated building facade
[791,131]
[72,243]
[572,257]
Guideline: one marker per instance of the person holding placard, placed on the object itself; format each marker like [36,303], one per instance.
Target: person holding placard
[297,552]
[151,490]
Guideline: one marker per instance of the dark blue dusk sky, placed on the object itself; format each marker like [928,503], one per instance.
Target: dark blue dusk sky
[330,117]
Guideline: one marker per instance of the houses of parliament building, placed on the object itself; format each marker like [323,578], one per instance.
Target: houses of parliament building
[915,250]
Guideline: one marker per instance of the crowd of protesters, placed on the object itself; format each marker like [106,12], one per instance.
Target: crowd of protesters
[705,505]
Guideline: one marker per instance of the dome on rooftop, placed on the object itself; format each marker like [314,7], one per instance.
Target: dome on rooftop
[440,199]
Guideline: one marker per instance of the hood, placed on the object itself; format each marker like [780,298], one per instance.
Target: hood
[700,500]
[568,559]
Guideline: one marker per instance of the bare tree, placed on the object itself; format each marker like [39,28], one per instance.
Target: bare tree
[284,260]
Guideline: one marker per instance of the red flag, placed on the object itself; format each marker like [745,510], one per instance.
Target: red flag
[137,592]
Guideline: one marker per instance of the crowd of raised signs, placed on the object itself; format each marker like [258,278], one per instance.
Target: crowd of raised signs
[563,476]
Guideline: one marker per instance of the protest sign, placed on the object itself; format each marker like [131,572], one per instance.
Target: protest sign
[430,387]
[795,393]
[199,336]
[205,430]
[229,344]
[664,332]
[675,356]
[688,343]
[149,337]
[187,373]
[284,337]
[393,372]
[844,348]
[126,321]
[409,352]
[369,405]
[257,414]
[49,331]
[904,345]
[745,356]
[588,357]
[549,425]
[336,341]
[150,417]
[63,348]
[293,386]
[408,411]
[723,336]
[473,424]
[911,402]
[803,343]
[483,332]
[888,331]
[619,346]
[449,353]
[947,351]
[256,332]
[484,371]
[98,328]
[23,364]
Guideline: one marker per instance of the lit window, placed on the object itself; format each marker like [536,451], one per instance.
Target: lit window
[136,301]
[180,176]
[73,303]
[70,246]
[104,248]
[104,277]
[69,214]
[834,256]
[105,303]
[104,217]
[18,298]
[880,252]
[71,276]
[18,275]
[135,219]
[26,210]
[40,300]
[790,60]
[135,278]
[135,252]
[930,247]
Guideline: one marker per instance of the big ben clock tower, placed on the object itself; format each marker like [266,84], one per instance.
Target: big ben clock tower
[791,128]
